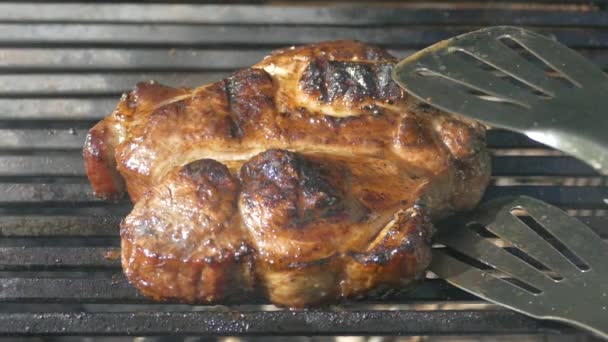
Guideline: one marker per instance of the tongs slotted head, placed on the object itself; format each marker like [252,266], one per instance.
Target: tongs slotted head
[529,256]
[515,79]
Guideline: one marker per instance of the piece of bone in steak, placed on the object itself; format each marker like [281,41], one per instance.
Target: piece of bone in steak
[307,178]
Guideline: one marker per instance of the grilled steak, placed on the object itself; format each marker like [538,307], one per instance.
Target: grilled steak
[308,177]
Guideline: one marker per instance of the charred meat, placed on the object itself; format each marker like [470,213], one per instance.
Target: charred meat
[309,177]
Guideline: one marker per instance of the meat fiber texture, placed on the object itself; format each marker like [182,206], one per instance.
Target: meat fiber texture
[307,178]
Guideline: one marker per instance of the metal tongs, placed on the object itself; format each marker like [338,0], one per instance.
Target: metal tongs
[518,80]
[520,252]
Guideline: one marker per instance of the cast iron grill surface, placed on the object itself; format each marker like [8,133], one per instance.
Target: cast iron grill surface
[64,65]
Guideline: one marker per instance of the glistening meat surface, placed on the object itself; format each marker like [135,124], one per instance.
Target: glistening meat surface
[307,178]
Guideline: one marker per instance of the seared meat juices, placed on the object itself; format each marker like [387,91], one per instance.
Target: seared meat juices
[308,177]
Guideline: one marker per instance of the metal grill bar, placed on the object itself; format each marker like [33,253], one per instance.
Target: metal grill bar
[244,35]
[540,166]
[43,139]
[63,165]
[58,226]
[322,322]
[291,15]
[117,290]
[138,59]
[119,34]
[61,108]
[108,83]
[15,258]
[20,193]
[591,197]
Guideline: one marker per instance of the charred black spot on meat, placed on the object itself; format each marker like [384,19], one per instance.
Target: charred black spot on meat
[317,192]
[295,188]
[236,131]
[349,81]
[386,88]
[312,78]
[250,94]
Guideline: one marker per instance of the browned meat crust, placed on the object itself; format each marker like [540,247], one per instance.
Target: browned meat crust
[309,177]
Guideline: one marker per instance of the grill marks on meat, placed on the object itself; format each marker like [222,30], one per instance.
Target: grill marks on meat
[307,178]
[291,189]
[250,95]
[349,81]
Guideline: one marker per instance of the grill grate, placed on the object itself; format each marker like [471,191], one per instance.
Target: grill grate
[63,66]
